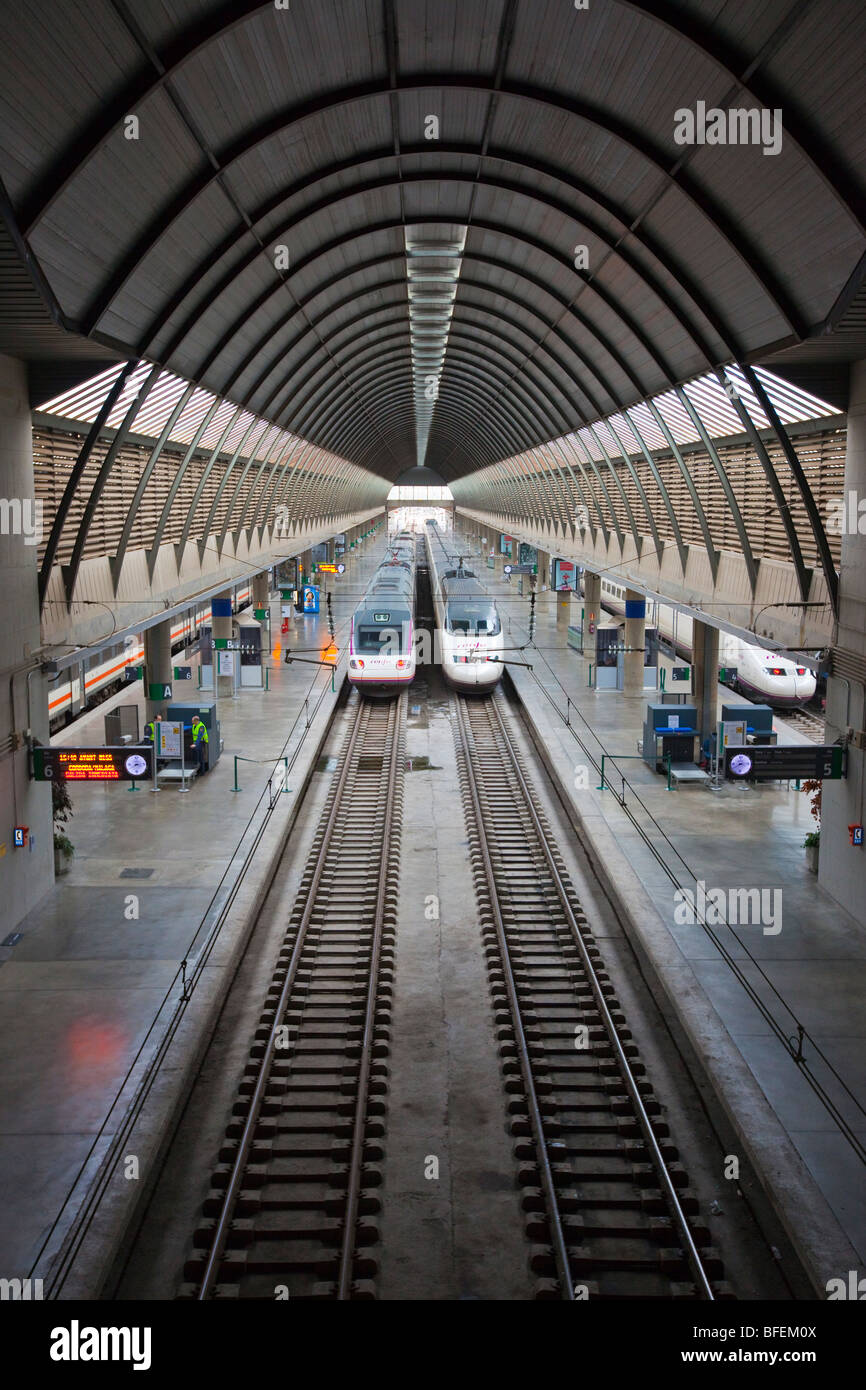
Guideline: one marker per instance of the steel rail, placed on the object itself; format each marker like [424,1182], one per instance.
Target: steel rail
[239,1165]
[347,1252]
[547,1180]
[681,1221]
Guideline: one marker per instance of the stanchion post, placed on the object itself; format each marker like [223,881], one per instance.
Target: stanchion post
[236,788]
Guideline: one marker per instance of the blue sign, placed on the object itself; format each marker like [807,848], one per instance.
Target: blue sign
[311,599]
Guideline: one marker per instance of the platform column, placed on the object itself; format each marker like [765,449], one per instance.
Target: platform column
[542,579]
[635,627]
[157,667]
[563,614]
[305,562]
[591,614]
[261,590]
[705,674]
[841,865]
[27,872]
[221,616]
[331,550]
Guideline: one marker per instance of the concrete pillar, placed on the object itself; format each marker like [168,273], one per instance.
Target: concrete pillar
[543,576]
[221,626]
[331,553]
[305,563]
[563,613]
[705,676]
[157,667]
[591,614]
[635,625]
[25,873]
[841,865]
[261,589]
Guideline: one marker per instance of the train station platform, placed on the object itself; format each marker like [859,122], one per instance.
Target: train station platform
[741,996]
[93,983]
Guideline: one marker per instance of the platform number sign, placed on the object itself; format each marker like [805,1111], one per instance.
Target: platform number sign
[159,690]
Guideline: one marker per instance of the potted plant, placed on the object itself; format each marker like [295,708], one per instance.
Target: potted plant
[812,842]
[61,805]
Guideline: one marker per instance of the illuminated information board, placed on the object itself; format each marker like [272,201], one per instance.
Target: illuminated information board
[92,764]
[759,762]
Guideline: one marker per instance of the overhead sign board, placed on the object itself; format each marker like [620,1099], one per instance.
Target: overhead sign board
[327,568]
[92,764]
[159,690]
[763,761]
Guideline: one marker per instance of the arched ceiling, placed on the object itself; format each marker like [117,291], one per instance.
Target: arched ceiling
[284,201]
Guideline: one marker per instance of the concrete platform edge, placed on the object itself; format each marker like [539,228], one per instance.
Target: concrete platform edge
[711,1055]
[97,1266]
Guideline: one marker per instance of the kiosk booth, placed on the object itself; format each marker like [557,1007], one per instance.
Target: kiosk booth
[248,671]
[610,656]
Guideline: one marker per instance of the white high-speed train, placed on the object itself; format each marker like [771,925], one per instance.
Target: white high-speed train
[468,626]
[761,675]
[381,642]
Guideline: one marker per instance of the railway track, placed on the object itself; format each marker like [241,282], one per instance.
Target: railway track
[292,1206]
[812,725]
[609,1210]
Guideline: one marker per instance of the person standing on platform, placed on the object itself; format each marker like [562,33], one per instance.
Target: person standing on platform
[200,741]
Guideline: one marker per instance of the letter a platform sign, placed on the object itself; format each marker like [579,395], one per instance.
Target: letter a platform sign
[159,690]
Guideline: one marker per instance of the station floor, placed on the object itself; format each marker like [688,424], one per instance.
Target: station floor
[97,956]
[738,837]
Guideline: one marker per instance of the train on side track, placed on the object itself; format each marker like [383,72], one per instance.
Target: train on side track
[468,625]
[382,637]
[761,675]
[93,679]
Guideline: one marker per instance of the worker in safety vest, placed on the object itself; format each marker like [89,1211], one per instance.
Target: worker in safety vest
[150,731]
[200,740]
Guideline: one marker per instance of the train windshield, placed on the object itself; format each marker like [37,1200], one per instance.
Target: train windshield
[474,619]
[375,634]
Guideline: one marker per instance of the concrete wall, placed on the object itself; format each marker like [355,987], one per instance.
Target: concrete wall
[841,867]
[25,874]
